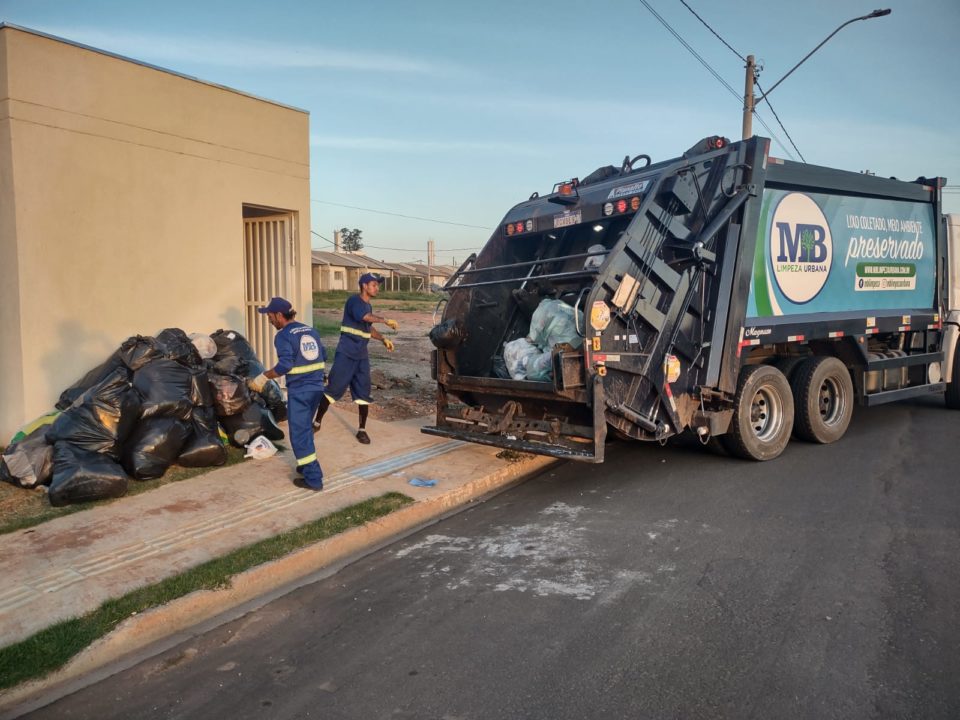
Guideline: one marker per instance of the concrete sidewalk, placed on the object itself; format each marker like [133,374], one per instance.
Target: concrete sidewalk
[70,565]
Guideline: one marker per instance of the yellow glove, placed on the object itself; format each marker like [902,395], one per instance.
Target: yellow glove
[392,324]
[258,383]
[388,344]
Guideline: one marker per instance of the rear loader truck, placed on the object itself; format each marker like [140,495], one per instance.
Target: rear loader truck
[724,292]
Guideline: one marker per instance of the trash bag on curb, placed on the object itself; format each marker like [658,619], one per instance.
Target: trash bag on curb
[102,418]
[273,396]
[82,476]
[175,345]
[167,389]
[135,352]
[235,356]
[29,462]
[154,446]
[204,345]
[449,334]
[203,448]
[255,420]
[230,393]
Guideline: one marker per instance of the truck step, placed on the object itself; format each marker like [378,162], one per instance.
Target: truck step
[885,396]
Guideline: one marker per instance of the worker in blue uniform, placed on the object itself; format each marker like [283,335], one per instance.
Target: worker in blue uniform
[302,358]
[351,367]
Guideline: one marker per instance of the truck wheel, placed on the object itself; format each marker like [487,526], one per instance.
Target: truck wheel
[762,416]
[823,397]
[953,387]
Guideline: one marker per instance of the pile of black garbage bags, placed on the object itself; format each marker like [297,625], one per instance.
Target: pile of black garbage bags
[156,401]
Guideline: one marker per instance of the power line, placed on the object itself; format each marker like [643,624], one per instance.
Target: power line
[712,30]
[401,215]
[766,99]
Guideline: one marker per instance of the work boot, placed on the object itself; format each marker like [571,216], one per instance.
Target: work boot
[363,437]
[300,482]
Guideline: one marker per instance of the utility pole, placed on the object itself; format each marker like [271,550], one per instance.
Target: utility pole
[748,98]
[750,102]
[429,262]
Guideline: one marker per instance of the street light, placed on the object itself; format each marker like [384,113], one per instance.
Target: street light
[750,102]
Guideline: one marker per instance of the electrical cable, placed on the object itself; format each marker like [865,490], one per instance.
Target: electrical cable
[401,215]
[715,73]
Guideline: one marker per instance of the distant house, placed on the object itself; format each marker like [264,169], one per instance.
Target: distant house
[342,271]
[417,277]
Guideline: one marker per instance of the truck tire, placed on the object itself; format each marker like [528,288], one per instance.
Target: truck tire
[952,396]
[823,398]
[762,416]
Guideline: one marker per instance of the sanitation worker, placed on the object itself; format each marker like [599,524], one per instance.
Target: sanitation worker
[351,366]
[301,357]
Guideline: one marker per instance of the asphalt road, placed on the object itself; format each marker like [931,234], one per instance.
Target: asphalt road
[666,583]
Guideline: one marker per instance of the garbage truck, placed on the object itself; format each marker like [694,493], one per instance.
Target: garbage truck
[726,293]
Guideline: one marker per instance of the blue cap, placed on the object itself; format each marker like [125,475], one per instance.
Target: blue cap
[277,305]
[370,277]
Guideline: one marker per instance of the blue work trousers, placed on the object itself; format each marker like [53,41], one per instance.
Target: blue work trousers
[302,406]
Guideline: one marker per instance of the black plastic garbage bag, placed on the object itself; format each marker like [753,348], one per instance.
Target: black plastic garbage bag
[201,394]
[273,396]
[255,420]
[102,418]
[235,356]
[230,393]
[175,344]
[29,461]
[154,446]
[449,334]
[166,387]
[133,353]
[82,476]
[203,448]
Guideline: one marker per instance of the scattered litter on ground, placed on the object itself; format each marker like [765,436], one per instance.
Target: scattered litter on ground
[260,449]
[513,456]
[422,482]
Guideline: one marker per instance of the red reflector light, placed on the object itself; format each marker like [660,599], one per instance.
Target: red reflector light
[520,227]
[621,206]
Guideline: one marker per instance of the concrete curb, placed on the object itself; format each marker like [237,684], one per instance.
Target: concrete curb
[158,629]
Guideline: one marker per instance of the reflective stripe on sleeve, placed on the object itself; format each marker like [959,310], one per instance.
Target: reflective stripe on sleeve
[307,460]
[354,331]
[307,368]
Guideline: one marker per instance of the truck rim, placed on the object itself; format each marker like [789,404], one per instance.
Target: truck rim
[766,414]
[831,401]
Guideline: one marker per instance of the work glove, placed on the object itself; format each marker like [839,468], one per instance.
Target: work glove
[258,383]
[388,344]
[392,324]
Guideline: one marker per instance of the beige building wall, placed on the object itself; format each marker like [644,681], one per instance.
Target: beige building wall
[121,208]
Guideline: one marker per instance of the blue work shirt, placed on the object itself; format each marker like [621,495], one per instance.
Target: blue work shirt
[300,356]
[354,332]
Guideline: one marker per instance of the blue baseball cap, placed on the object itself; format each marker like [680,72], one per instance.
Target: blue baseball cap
[277,305]
[370,277]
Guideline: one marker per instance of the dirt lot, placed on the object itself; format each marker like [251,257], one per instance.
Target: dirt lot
[402,387]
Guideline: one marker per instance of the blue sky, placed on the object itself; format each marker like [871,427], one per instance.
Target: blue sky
[457,111]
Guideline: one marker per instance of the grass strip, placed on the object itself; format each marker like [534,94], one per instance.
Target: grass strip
[385,300]
[50,649]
